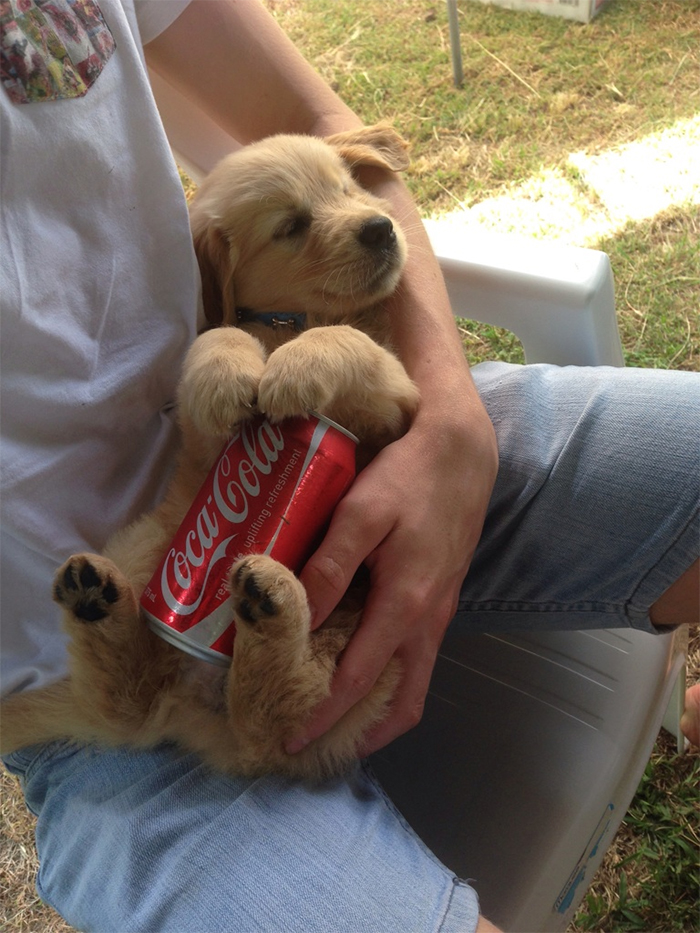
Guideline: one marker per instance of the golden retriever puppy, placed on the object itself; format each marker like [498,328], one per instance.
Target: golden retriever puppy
[296,258]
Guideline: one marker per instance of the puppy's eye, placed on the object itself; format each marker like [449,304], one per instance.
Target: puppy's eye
[293,226]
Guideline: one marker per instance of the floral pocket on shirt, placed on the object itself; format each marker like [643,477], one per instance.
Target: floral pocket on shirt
[51,49]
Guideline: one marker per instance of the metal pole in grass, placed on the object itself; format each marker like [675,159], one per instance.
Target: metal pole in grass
[457,72]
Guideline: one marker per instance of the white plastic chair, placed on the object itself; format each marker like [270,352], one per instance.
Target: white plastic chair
[531,746]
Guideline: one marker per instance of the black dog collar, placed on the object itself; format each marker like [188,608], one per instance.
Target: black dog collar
[274,319]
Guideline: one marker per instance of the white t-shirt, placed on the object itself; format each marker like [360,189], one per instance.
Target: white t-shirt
[99,295]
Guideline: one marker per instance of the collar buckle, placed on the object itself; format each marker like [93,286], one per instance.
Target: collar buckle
[274,319]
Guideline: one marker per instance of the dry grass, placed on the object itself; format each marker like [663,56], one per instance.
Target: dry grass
[21,910]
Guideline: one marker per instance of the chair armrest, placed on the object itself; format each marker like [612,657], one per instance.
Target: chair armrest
[559,300]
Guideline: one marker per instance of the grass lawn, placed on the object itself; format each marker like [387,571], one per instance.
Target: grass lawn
[547,108]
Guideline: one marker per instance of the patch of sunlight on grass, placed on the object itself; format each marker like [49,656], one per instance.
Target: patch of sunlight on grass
[597,194]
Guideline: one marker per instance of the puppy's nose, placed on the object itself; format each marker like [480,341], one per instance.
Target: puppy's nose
[377,233]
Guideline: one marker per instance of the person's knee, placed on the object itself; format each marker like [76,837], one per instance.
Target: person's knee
[681,601]
[690,721]
[485,926]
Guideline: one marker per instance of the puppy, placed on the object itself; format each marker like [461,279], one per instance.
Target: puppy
[296,259]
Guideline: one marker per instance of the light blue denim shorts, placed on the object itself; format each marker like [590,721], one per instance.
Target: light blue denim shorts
[594,515]
[596,507]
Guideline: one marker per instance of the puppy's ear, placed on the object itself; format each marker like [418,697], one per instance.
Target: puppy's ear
[217,262]
[378,145]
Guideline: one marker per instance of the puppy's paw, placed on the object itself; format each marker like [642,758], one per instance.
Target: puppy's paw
[219,385]
[338,371]
[295,383]
[90,588]
[267,597]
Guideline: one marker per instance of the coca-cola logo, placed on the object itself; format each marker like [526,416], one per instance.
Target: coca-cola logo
[262,447]
[235,481]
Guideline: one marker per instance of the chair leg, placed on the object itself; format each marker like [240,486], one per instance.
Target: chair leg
[452,17]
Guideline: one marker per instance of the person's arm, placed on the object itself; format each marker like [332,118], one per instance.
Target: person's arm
[232,59]
[415,514]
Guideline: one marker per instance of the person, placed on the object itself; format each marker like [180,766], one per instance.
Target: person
[100,292]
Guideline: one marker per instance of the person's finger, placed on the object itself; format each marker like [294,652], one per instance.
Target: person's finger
[408,711]
[417,659]
[354,678]
[357,528]
[381,636]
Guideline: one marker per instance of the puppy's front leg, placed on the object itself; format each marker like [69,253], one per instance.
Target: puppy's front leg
[218,388]
[342,373]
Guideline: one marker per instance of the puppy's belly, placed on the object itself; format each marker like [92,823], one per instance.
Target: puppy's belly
[205,681]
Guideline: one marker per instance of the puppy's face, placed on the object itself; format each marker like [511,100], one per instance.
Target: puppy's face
[283,226]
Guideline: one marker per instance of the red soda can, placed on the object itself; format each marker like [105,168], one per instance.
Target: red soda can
[272,491]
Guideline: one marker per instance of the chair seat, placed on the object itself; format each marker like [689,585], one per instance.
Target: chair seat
[528,755]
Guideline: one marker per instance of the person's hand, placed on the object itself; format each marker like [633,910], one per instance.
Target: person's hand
[414,517]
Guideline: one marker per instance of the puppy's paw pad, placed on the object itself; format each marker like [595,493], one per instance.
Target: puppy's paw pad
[264,593]
[251,593]
[87,588]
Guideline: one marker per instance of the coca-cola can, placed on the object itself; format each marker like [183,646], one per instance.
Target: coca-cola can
[272,491]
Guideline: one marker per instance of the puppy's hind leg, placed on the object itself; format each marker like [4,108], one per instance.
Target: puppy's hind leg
[85,586]
[113,653]
[281,672]
[107,657]
[274,680]
[38,716]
